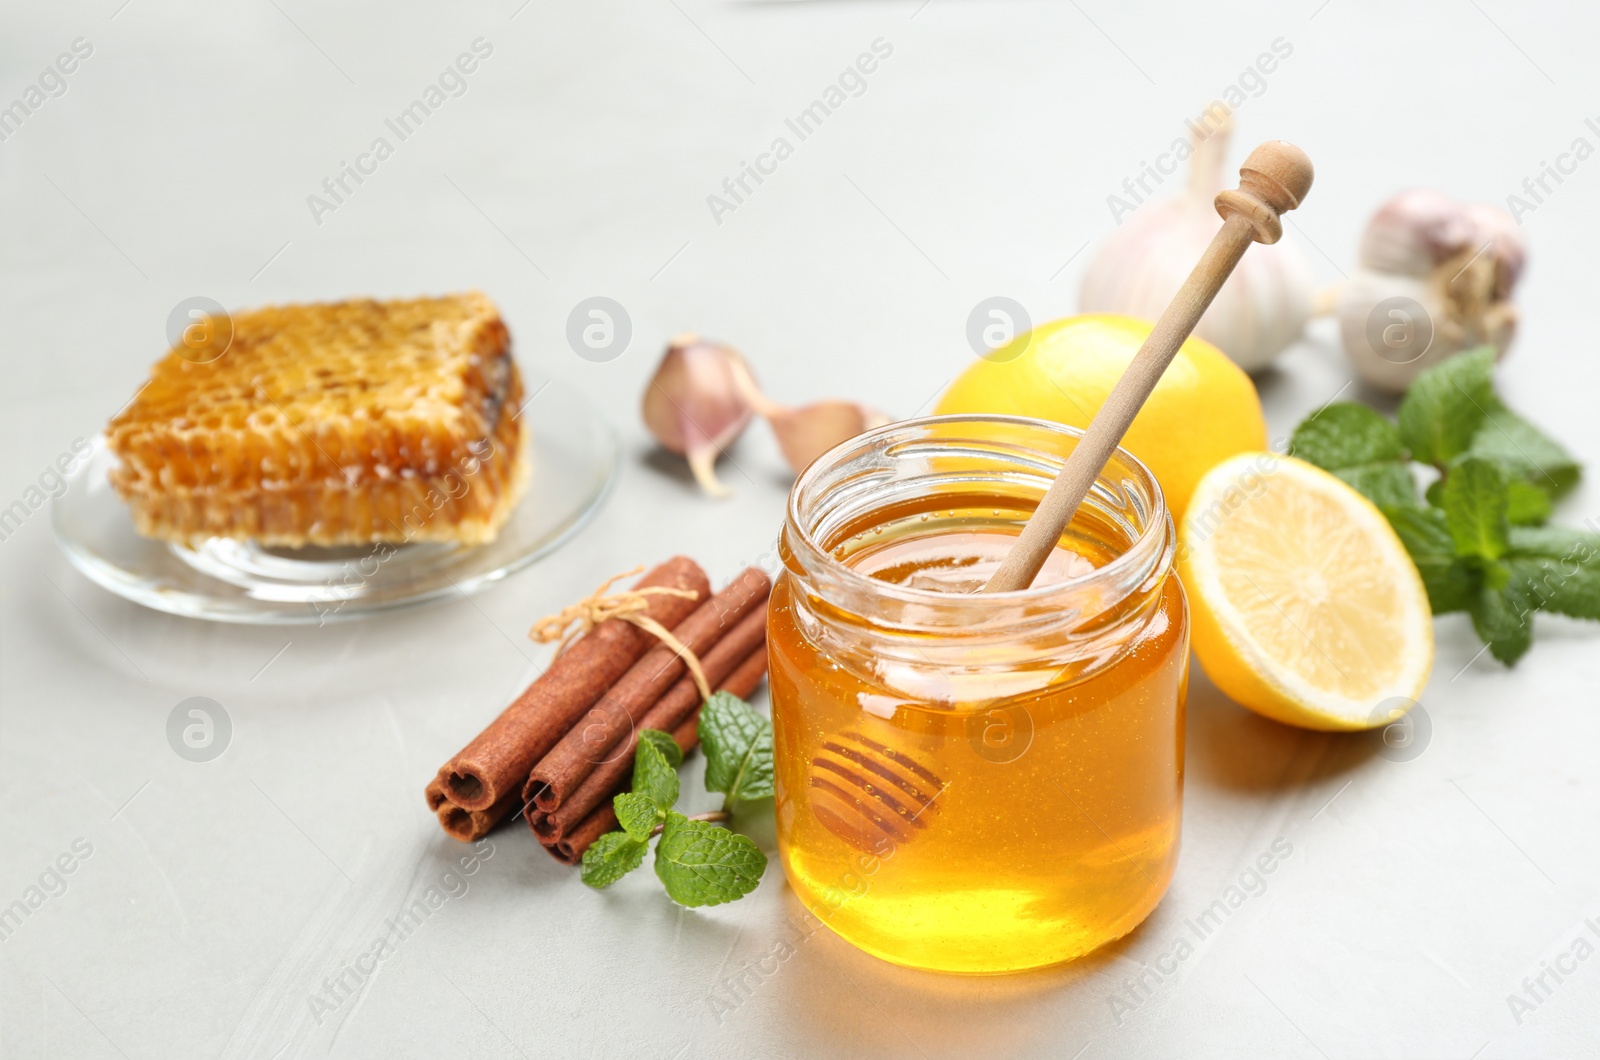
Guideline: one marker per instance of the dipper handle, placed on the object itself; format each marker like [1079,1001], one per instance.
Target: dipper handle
[1272,181]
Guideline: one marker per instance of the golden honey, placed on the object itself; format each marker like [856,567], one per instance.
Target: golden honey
[975,783]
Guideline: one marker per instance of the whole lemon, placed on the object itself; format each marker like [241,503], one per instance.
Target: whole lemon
[1204,409]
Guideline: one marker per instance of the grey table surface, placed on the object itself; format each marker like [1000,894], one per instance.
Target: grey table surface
[214,899]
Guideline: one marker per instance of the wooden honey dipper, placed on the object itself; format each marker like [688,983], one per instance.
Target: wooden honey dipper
[1272,181]
[867,793]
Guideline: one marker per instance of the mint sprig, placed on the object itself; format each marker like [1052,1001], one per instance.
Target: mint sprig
[699,862]
[1477,537]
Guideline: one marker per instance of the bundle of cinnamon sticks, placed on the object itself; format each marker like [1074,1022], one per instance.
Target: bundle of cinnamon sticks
[565,746]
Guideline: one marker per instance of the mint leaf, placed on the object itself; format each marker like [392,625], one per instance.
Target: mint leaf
[1503,617]
[612,857]
[1524,451]
[1560,568]
[1549,568]
[738,746]
[636,813]
[1445,406]
[1550,585]
[1386,485]
[1527,504]
[1359,446]
[1434,494]
[653,777]
[1475,506]
[665,744]
[1578,547]
[1345,434]
[1451,581]
[702,864]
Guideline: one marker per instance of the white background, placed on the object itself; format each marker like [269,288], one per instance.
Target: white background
[977,162]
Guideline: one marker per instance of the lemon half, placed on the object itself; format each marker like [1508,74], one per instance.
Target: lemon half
[1306,607]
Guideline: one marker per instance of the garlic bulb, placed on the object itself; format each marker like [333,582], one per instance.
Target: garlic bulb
[1262,308]
[695,404]
[1435,278]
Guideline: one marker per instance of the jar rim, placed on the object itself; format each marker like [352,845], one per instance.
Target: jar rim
[1151,550]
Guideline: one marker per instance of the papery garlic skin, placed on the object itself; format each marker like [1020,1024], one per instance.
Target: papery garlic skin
[1435,278]
[695,406]
[1260,310]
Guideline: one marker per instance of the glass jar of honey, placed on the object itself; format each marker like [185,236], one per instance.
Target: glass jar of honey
[975,782]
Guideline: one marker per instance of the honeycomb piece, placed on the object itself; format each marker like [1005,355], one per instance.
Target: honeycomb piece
[338,424]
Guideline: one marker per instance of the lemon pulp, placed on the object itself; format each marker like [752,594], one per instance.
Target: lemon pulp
[1306,606]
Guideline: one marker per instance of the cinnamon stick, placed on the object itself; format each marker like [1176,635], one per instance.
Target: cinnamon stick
[468,825]
[669,712]
[493,766]
[616,715]
[570,847]
[747,641]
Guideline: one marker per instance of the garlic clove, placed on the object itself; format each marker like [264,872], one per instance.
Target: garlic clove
[806,433]
[695,404]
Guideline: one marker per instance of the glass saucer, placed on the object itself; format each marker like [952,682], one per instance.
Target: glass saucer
[573,455]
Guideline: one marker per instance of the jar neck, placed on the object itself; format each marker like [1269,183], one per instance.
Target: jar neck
[951,648]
